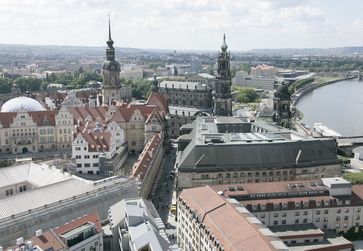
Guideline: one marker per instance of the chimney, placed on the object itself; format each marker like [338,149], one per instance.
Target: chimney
[20,241]
[38,233]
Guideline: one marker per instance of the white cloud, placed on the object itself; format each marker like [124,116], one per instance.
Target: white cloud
[172,23]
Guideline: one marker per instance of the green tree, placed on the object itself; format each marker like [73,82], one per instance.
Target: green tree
[5,85]
[246,95]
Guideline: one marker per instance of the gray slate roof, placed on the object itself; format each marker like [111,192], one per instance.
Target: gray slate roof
[267,150]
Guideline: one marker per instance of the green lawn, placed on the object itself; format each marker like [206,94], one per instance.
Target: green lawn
[355,178]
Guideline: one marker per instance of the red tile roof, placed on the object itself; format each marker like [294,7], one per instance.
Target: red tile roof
[93,218]
[142,165]
[47,241]
[160,100]
[97,141]
[223,221]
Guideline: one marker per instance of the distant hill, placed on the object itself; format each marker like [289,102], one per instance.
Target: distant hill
[345,51]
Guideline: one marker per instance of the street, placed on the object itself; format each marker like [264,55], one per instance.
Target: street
[165,186]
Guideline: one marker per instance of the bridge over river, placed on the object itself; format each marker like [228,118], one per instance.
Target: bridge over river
[350,141]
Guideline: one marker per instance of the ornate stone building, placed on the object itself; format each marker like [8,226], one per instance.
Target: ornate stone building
[222,94]
[281,107]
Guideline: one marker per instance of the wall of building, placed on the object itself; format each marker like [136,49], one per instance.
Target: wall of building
[334,218]
[152,172]
[197,179]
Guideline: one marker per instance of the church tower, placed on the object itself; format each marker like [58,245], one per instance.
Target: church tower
[282,101]
[155,86]
[222,94]
[111,90]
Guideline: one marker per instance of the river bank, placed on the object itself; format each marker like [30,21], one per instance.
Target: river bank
[312,86]
[338,106]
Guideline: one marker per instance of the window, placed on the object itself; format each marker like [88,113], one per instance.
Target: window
[325,219]
[284,214]
[338,218]
[283,222]
[297,213]
[78,156]
[95,164]
[87,165]
[276,222]
[317,212]
[339,211]
[86,156]
[276,215]
[326,211]
[358,209]
[346,210]
[78,149]
[297,221]
[317,220]
[263,216]
[305,220]
[305,212]
[346,217]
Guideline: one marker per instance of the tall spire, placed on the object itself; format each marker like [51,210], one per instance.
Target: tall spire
[109,41]
[224,46]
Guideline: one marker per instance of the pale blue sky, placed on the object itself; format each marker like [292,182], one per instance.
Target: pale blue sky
[184,24]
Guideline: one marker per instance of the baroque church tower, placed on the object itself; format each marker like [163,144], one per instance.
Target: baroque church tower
[111,74]
[222,94]
[282,111]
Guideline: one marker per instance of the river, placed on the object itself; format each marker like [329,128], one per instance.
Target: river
[339,106]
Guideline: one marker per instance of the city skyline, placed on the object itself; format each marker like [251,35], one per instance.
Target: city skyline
[185,25]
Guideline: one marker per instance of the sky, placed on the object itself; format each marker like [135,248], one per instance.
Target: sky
[184,24]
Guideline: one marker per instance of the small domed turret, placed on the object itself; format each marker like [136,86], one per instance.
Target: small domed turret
[224,46]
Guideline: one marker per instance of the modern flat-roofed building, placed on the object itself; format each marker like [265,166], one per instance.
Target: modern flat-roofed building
[227,150]
[44,197]
[136,226]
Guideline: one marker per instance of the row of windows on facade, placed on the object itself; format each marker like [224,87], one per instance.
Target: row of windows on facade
[11,191]
[249,174]
[172,94]
[173,87]
[185,103]
[305,204]
[317,212]
[87,165]
[187,224]
[95,156]
[64,122]
[24,132]
[317,220]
